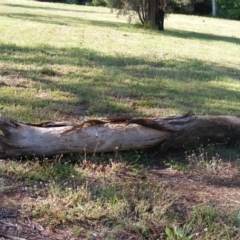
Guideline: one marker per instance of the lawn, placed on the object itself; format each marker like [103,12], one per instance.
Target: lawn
[63,60]
[67,62]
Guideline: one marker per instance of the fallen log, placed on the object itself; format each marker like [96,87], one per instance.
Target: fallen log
[105,135]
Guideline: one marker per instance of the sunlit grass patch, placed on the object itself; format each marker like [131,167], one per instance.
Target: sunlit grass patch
[64,49]
[34,170]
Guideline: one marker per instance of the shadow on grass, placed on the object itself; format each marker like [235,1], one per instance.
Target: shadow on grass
[118,85]
[49,8]
[62,20]
[203,36]
[73,21]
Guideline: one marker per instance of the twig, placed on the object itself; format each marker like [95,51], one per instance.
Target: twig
[11,237]
[7,224]
[31,225]
[67,237]
[3,215]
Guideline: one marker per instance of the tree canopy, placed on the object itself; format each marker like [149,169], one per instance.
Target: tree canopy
[229,9]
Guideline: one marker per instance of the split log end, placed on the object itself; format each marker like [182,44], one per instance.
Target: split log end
[5,123]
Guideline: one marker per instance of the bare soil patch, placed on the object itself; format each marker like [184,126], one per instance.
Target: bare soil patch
[203,187]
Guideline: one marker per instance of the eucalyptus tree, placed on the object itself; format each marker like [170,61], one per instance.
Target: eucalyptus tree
[148,11]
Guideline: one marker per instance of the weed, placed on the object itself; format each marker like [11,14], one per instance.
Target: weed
[178,233]
[201,159]
[178,165]
[48,71]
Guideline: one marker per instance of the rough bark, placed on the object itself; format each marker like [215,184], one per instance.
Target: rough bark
[104,135]
[152,11]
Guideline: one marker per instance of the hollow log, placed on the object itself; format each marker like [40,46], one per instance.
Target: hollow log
[106,135]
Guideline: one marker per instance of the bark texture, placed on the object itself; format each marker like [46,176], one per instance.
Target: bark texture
[104,135]
[152,11]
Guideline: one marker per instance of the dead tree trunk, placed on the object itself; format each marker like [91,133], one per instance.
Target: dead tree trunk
[51,138]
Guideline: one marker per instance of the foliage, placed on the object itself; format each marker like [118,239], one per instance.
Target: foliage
[61,1]
[115,4]
[183,7]
[95,3]
[229,9]
[98,3]
[125,7]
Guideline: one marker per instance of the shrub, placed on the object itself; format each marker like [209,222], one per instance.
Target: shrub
[98,3]
[229,9]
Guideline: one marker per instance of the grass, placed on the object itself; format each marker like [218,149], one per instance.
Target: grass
[112,201]
[79,61]
[70,62]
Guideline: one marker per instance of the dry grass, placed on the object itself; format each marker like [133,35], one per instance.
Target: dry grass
[116,201]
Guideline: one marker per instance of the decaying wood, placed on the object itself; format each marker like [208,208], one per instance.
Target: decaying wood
[104,135]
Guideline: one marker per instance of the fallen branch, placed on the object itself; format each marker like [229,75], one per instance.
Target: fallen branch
[104,135]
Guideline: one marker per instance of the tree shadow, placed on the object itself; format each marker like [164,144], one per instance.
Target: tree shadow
[203,36]
[69,21]
[63,21]
[49,8]
[223,181]
[73,21]
[118,86]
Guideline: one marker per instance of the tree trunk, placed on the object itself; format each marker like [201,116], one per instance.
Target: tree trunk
[214,8]
[152,11]
[51,138]
[160,12]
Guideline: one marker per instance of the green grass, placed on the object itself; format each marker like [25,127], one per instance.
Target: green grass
[64,58]
[66,62]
